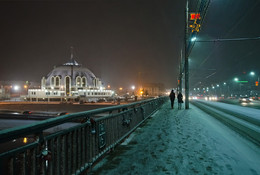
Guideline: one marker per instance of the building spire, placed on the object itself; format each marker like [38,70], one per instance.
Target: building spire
[71,54]
[72,61]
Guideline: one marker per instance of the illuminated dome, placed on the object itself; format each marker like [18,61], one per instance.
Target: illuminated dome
[70,82]
[72,71]
[71,76]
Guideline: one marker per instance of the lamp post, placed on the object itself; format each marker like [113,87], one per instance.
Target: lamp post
[255,82]
[133,88]
[17,90]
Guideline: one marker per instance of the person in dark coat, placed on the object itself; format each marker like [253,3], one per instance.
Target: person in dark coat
[180,101]
[172,98]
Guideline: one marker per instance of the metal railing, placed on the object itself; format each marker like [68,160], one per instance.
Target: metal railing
[72,150]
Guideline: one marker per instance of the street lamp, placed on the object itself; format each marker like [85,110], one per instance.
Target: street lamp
[133,88]
[193,39]
[16,88]
[236,79]
[252,73]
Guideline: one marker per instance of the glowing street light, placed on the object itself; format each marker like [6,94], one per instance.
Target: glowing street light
[252,73]
[120,88]
[193,39]
[133,87]
[25,140]
[235,79]
[16,88]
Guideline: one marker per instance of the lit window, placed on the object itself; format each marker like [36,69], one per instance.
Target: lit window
[84,82]
[57,81]
[78,81]
[52,81]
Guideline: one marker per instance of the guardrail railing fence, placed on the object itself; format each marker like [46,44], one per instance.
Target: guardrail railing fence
[70,144]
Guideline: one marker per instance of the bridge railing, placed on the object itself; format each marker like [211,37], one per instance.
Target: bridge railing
[70,144]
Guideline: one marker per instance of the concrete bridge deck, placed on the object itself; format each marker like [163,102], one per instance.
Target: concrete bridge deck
[182,142]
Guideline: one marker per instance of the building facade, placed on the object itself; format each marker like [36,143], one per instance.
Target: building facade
[69,82]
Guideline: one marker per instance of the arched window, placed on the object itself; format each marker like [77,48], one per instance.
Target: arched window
[43,82]
[67,85]
[52,81]
[57,81]
[78,81]
[84,82]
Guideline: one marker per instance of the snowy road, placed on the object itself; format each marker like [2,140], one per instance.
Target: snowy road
[244,120]
[182,142]
[250,112]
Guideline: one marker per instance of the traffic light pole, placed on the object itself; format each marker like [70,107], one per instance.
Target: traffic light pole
[186,61]
[180,75]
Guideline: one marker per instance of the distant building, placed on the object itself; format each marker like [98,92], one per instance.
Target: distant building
[153,89]
[68,82]
[3,93]
[10,89]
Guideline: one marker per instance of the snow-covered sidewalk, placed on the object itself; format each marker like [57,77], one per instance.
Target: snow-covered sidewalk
[182,142]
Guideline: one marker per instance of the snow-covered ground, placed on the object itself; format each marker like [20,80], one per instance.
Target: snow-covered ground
[250,112]
[182,142]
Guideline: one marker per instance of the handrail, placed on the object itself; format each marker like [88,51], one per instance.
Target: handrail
[12,133]
[75,149]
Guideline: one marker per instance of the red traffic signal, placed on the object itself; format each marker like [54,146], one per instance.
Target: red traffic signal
[194,16]
[256,83]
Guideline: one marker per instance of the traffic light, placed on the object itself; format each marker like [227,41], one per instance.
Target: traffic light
[194,16]
[256,83]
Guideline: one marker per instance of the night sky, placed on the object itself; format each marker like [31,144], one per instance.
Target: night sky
[125,41]
[217,62]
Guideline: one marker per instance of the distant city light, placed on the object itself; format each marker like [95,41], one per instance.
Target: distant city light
[16,87]
[133,87]
[120,88]
[25,140]
[217,85]
[225,83]
[108,86]
[235,79]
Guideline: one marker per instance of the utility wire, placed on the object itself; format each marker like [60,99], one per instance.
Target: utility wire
[229,39]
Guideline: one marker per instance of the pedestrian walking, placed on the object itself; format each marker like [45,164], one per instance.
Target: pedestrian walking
[180,101]
[172,98]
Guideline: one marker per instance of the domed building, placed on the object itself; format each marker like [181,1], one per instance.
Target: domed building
[69,81]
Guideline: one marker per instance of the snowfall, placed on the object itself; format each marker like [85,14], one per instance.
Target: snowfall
[182,142]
